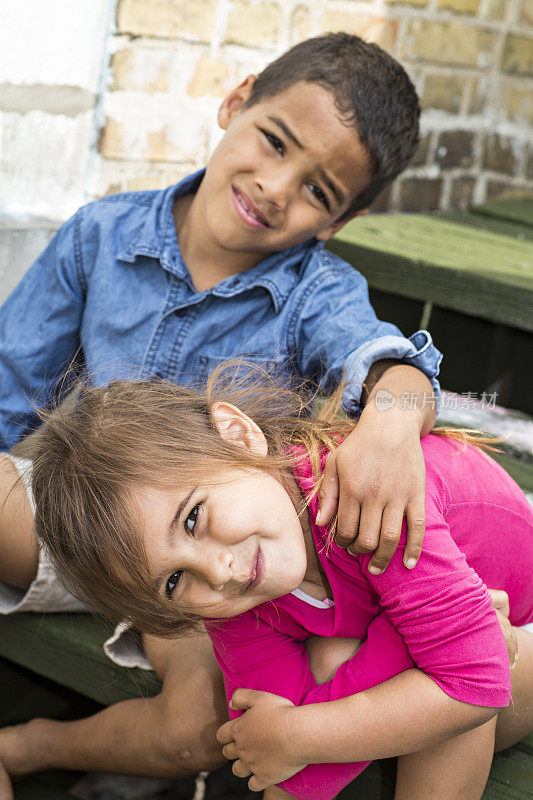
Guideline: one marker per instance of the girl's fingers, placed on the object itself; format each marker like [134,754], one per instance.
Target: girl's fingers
[500,601]
[389,536]
[245,698]
[229,750]
[255,785]
[328,494]
[225,733]
[240,770]
[416,528]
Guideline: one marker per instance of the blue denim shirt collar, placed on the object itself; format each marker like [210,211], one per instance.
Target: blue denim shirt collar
[277,273]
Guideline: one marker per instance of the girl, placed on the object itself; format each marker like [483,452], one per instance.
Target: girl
[165,507]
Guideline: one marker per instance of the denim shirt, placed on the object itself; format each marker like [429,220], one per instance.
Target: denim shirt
[112,286]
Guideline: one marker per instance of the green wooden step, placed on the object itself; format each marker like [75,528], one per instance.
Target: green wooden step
[67,648]
[432,259]
[519,210]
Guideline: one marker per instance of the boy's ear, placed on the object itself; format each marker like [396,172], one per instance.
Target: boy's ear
[235,427]
[234,101]
[335,227]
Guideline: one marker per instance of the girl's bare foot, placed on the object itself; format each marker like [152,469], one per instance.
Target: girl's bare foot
[6,792]
[15,756]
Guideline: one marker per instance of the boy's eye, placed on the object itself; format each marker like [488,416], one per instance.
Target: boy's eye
[192,518]
[319,194]
[173,582]
[276,143]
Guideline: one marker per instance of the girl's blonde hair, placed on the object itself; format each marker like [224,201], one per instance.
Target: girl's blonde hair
[91,458]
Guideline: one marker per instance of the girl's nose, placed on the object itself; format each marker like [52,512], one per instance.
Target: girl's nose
[216,565]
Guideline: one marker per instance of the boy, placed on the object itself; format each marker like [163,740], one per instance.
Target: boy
[229,262]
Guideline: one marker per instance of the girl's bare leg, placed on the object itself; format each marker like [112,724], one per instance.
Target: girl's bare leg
[454,770]
[516,721]
[460,767]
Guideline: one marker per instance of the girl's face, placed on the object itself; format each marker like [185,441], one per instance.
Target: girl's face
[223,545]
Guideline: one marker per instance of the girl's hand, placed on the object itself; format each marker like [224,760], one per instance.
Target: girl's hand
[500,602]
[377,475]
[261,739]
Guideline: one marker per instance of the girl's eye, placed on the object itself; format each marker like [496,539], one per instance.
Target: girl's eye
[319,194]
[173,582]
[276,143]
[192,518]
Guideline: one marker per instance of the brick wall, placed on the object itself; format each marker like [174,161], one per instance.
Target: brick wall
[471,61]
[100,96]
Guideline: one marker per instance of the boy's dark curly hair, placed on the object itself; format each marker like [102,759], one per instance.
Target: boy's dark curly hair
[372,92]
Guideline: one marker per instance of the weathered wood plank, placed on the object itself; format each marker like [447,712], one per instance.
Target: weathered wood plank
[519,210]
[493,224]
[68,649]
[465,269]
[513,769]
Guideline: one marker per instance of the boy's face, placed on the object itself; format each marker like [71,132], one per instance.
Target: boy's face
[286,169]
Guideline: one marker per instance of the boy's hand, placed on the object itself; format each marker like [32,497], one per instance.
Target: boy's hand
[377,475]
[260,740]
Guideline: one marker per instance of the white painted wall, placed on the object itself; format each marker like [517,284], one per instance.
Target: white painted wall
[52,55]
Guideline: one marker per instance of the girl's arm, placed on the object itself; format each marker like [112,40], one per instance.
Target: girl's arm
[444,616]
[319,746]
[406,714]
[303,748]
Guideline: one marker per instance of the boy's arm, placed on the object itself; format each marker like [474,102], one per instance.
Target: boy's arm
[377,475]
[39,333]
[339,338]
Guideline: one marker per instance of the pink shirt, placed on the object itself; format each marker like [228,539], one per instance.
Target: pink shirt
[438,617]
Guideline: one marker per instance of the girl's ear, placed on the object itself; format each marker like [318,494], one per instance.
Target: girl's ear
[234,426]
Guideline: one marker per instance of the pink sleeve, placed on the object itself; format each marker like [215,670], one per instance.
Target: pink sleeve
[253,655]
[443,611]
[440,610]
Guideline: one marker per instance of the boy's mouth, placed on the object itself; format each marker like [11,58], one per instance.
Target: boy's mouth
[247,211]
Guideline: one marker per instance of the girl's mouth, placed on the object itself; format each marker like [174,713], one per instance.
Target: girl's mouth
[258,570]
[246,210]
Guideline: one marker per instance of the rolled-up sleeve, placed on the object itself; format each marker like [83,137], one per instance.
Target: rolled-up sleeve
[339,333]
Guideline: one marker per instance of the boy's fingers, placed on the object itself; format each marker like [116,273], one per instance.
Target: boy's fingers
[328,494]
[416,528]
[347,522]
[391,528]
[369,528]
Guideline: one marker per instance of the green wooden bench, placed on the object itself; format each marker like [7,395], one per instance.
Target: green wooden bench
[479,265]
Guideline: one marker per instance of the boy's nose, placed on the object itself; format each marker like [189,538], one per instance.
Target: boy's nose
[274,189]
